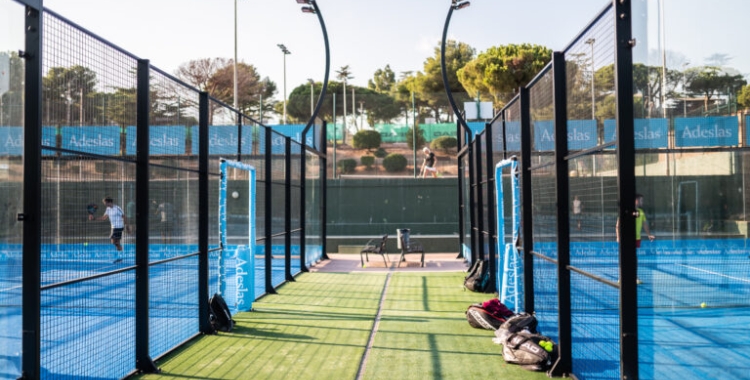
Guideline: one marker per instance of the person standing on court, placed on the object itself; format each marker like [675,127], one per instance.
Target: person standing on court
[117,220]
[640,223]
[428,165]
[166,211]
[577,208]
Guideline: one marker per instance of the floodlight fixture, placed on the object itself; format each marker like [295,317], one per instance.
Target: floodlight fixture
[460,5]
[283,49]
[311,7]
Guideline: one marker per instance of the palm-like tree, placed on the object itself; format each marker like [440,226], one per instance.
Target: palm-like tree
[343,74]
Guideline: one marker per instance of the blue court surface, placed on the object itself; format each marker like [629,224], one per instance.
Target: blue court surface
[693,313]
[88,327]
[694,309]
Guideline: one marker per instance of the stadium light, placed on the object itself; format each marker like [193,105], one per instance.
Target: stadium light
[460,5]
[455,5]
[286,52]
[311,7]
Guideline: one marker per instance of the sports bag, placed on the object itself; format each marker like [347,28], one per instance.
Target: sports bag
[524,348]
[478,278]
[219,314]
[488,314]
[516,323]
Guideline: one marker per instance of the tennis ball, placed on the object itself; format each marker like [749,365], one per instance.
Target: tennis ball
[85,243]
[703,305]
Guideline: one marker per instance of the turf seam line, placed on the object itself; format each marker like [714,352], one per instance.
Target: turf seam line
[371,340]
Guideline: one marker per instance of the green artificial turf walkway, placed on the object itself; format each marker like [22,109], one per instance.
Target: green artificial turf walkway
[319,327]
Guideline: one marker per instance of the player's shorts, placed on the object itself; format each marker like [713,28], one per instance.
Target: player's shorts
[116,233]
[638,243]
[430,169]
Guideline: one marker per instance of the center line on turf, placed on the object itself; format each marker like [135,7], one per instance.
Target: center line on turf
[375,325]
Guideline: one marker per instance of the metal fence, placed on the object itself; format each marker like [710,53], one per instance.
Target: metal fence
[104,132]
[620,301]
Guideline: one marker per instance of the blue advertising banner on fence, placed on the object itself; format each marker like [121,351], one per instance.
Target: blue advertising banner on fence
[512,136]
[706,131]
[581,134]
[648,133]
[11,141]
[163,140]
[295,132]
[97,140]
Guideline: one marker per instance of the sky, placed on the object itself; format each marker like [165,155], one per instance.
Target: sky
[368,35]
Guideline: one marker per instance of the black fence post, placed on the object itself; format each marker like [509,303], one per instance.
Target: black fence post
[479,196]
[143,107]
[268,219]
[472,205]
[526,197]
[563,366]
[626,184]
[32,188]
[492,235]
[303,203]
[324,187]
[288,209]
[203,212]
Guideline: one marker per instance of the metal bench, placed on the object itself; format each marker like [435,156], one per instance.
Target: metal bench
[375,247]
[413,246]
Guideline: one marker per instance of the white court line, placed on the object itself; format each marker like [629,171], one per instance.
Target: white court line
[375,325]
[715,273]
[11,288]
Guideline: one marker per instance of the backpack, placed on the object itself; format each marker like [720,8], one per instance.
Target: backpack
[487,315]
[515,324]
[524,348]
[219,314]
[478,279]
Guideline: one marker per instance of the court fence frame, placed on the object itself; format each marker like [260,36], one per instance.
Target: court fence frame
[549,181]
[290,220]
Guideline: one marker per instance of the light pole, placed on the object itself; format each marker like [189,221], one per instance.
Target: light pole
[312,99]
[455,5]
[311,7]
[591,41]
[235,54]
[286,52]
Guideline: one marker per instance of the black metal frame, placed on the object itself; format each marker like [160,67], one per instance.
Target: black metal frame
[31,216]
[32,188]
[625,151]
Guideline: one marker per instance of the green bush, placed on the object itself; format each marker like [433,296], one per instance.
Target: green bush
[420,138]
[444,143]
[367,161]
[366,140]
[394,162]
[347,166]
[380,153]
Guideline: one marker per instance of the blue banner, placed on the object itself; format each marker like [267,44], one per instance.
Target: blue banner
[11,141]
[295,132]
[98,140]
[163,140]
[648,133]
[581,135]
[512,136]
[476,127]
[706,131]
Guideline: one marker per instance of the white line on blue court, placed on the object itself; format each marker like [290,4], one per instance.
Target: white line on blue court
[715,273]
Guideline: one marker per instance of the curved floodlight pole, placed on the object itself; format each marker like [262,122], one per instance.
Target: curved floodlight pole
[312,7]
[455,5]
